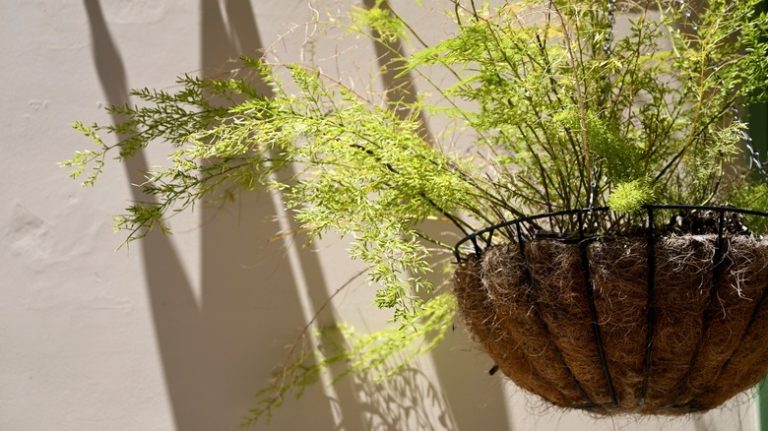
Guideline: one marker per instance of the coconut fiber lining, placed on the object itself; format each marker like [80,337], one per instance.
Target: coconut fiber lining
[591,336]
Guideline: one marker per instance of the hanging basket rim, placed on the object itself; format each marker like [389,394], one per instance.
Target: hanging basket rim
[481,239]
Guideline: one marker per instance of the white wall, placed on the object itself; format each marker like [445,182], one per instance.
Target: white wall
[179,332]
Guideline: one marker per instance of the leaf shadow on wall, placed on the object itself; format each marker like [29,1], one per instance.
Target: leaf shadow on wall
[475,400]
[218,349]
[216,354]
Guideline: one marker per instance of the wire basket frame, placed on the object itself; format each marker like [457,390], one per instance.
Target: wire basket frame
[480,241]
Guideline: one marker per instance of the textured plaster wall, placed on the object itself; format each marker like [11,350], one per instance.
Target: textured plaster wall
[178,332]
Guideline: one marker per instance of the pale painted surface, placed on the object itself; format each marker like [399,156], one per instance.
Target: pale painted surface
[178,333]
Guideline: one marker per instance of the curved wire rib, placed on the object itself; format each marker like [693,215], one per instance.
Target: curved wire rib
[589,402]
[583,244]
[650,312]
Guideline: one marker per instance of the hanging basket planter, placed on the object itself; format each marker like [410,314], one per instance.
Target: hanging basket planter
[654,322]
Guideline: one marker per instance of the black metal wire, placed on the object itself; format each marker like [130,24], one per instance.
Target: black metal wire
[717,268]
[650,310]
[583,243]
[529,282]
[752,318]
[472,237]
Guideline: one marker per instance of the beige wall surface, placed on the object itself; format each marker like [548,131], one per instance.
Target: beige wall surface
[179,332]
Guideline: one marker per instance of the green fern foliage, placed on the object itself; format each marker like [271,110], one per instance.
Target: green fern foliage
[631,196]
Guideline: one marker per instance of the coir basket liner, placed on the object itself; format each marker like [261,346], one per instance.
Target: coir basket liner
[650,324]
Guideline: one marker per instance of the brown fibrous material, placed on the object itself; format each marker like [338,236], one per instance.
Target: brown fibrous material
[590,326]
